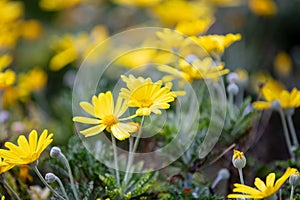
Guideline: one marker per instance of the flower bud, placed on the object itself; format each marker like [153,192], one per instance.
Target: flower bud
[232,77]
[238,159]
[55,152]
[50,177]
[232,88]
[276,105]
[295,179]
[223,174]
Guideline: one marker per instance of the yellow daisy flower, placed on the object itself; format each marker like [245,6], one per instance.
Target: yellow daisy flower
[200,69]
[216,44]
[195,27]
[27,151]
[7,79]
[263,190]
[285,98]
[147,96]
[263,7]
[107,117]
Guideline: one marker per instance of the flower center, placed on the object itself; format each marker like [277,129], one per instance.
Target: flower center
[109,120]
[146,103]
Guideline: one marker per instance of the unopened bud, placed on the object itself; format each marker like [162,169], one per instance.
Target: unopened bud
[232,77]
[232,88]
[295,179]
[55,152]
[50,177]
[238,159]
[276,105]
[223,174]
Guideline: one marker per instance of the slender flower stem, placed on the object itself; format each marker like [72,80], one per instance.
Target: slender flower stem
[8,187]
[62,188]
[116,158]
[36,170]
[292,129]
[286,133]
[65,160]
[241,175]
[131,153]
[292,193]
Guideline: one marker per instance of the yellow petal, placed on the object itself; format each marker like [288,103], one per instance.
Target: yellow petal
[87,107]
[270,180]
[259,184]
[33,138]
[86,120]
[261,105]
[94,130]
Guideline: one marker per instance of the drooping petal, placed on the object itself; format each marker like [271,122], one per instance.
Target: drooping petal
[94,130]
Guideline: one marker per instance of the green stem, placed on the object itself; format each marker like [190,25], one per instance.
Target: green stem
[131,153]
[36,170]
[292,193]
[64,159]
[62,188]
[9,188]
[286,133]
[241,175]
[292,129]
[116,158]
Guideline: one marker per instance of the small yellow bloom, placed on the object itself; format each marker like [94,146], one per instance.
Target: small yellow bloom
[27,151]
[70,48]
[216,44]
[7,78]
[107,116]
[263,190]
[33,80]
[283,64]
[3,197]
[172,39]
[24,173]
[31,29]
[285,98]
[195,27]
[199,69]
[263,7]
[173,11]
[147,96]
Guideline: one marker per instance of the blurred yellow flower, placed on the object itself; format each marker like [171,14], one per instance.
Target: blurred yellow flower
[263,7]
[4,166]
[283,64]
[3,197]
[259,79]
[27,151]
[33,80]
[24,173]
[147,96]
[107,116]
[263,190]
[285,98]
[216,44]
[7,78]
[195,27]
[173,11]
[139,3]
[199,69]
[70,48]
[11,13]
[31,29]
[56,5]
[5,60]
[172,40]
